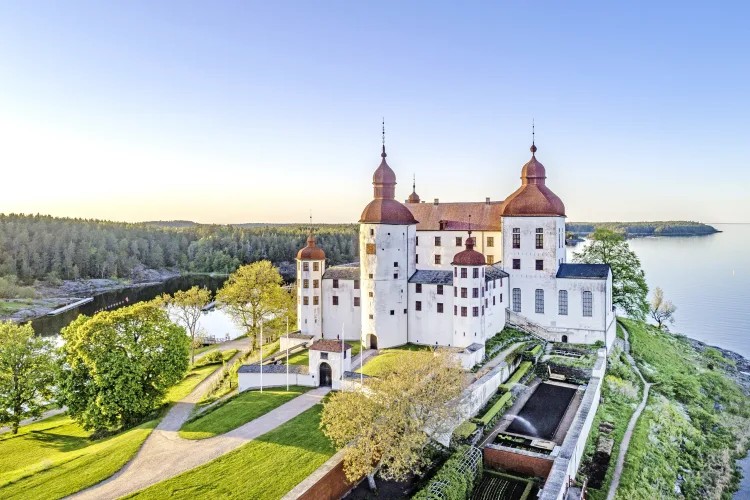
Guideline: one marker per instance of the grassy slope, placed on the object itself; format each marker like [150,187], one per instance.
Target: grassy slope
[54,458]
[267,467]
[300,358]
[193,377]
[386,360]
[237,411]
[695,422]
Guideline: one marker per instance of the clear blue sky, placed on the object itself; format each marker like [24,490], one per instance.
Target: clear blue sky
[239,111]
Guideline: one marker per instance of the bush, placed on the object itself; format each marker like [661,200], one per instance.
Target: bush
[455,480]
[464,431]
[523,368]
[210,358]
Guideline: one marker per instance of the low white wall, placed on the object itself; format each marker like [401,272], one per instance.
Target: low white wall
[287,343]
[248,381]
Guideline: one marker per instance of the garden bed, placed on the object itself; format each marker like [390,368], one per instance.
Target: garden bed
[495,485]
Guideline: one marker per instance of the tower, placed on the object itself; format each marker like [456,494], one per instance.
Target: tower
[468,283]
[311,262]
[387,237]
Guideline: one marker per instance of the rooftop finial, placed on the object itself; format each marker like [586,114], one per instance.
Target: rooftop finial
[310,237]
[469,225]
[383,153]
[414,183]
[533,146]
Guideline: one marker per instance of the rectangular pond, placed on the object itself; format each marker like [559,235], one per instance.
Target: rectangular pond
[541,415]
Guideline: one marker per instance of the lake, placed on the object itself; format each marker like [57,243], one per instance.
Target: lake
[707,278]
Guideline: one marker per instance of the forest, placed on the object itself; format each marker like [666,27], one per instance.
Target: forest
[42,247]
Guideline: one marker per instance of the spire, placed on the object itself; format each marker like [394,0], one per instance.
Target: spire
[383,153]
[533,146]
[310,237]
[469,240]
[384,179]
[414,183]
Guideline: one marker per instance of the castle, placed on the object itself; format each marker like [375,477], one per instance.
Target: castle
[454,274]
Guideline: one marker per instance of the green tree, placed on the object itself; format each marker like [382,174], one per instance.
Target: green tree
[629,288]
[187,308]
[385,428]
[27,371]
[252,294]
[662,311]
[117,366]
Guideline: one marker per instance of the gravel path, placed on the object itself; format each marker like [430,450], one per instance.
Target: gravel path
[165,454]
[631,425]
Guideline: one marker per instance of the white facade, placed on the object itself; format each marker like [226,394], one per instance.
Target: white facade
[342,310]
[334,360]
[309,291]
[488,243]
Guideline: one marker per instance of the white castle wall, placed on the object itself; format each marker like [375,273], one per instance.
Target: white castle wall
[468,329]
[427,250]
[428,326]
[344,314]
[309,317]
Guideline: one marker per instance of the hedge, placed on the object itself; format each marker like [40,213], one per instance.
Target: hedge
[496,408]
[457,480]
[464,430]
[535,350]
[517,375]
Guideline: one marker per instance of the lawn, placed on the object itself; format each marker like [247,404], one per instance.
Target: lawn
[267,467]
[300,358]
[387,359]
[237,411]
[192,378]
[53,458]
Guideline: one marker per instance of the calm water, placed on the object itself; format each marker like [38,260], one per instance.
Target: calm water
[708,279]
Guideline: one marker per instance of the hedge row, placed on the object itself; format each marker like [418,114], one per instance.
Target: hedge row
[496,408]
[517,375]
[454,480]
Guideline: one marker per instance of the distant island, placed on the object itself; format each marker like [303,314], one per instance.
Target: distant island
[642,229]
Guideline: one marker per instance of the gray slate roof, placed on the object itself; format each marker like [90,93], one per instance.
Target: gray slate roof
[474,347]
[583,271]
[298,335]
[432,277]
[493,273]
[281,368]
[345,272]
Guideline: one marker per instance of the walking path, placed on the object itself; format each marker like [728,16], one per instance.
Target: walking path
[633,420]
[27,421]
[240,344]
[165,454]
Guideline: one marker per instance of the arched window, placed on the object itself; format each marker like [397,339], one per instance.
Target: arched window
[539,301]
[517,300]
[588,304]
[562,303]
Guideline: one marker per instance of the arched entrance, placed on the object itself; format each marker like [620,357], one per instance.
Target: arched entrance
[565,339]
[325,374]
[373,341]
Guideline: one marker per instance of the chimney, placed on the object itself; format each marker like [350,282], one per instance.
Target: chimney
[436,201]
[487,200]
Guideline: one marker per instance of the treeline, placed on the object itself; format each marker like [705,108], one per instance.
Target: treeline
[635,229]
[41,247]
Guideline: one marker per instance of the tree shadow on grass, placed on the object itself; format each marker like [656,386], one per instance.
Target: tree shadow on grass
[302,432]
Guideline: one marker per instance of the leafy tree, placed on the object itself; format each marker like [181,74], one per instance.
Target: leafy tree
[629,288]
[187,307]
[27,371]
[117,365]
[662,311]
[252,294]
[387,428]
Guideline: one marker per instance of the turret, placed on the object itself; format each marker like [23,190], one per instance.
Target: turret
[310,268]
[468,285]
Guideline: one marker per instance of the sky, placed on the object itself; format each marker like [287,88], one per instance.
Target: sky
[230,112]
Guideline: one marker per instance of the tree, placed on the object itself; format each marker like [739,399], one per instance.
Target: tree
[629,288]
[387,427]
[252,294]
[662,310]
[187,306]
[118,365]
[27,371]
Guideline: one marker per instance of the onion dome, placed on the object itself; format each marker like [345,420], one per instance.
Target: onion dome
[311,252]
[469,257]
[384,209]
[533,198]
[413,197]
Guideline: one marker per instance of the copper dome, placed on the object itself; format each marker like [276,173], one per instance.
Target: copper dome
[469,257]
[384,209]
[533,198]
[311,252]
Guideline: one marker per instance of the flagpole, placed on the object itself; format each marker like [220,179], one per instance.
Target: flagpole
[343,353]
[287,354]
[261,356]
[361,355]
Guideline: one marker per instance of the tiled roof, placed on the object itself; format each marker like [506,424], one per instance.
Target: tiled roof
[493,273]
[347,272]
[281,368]
[475,347]
[484,216]
[328,346]
[355,375]
[583,271]
[298,335]
[432,277]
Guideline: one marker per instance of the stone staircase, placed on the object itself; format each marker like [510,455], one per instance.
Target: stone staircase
[522,323]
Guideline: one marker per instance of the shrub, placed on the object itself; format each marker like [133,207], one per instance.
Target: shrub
[464,431]
[210,358]
[496,409]
[456,478]
[523,368]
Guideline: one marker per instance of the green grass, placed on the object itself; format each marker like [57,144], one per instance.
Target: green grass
[496,408]
[267,467]
[54,458]
[523,368]
[193,377]
[237,411]
[587,361]
[387,360]
[300,358]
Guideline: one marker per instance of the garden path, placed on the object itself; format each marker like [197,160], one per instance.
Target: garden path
[631,425]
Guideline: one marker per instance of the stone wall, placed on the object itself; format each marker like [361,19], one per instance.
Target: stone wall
[328,482]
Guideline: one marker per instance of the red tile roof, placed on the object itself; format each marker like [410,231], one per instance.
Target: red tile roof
[484,216]
[328,346]
[533,198]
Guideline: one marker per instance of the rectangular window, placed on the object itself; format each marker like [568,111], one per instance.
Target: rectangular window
[475,274]
[440,289]
[335,283]
[501,298]
[516,263]
[370,294]
[370,249]
[463,312]
[517,300]
[437,241]
[323,355]
[562,303]
[490,241]
[417,258]
[482,313]
[493,301]
[475,293]
[455,310]
[516,237]
[437,259]
[316,284]
[370,275]
[539,238]
[418,305]
[463,272]
[335,300]
[356,284]
[539,301]
[417,241]
[459,241]
[475,312]
[316,300]
[393,313]
[539,265]
[316,266]
[395,264]
[490,259]
[395,276]
[306,301]
[419,287]
[464,293]
[372,232]
[588,304]
[455,272]
[305,266]
[305,283]
[356,301]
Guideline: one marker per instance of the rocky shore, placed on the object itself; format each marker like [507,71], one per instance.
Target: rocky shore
[741,371]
